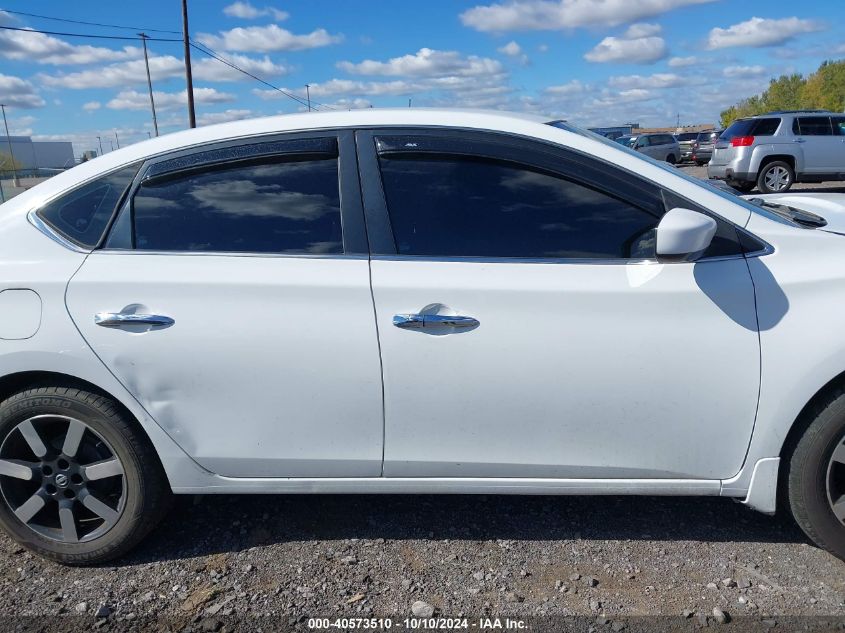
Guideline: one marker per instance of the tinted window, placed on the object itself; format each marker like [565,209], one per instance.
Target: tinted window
[269,206]
[838,125]
[666,139]
[463,206]
[687,136]
[813,126]
[83,214]
[751,127]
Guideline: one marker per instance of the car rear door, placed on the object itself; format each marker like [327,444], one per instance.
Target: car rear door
[232,299]
[526,329]
[822,150]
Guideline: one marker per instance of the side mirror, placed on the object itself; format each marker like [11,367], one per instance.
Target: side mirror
[683,234]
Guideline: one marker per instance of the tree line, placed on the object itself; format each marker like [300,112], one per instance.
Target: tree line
[822,90]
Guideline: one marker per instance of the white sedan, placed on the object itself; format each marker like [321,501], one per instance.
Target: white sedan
[408,301]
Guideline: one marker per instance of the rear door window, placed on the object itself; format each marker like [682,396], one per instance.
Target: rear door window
[813,126]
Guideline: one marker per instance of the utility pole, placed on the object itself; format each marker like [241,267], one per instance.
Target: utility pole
[308,95]
[409,102]
[100,141]
[192,117]
[112,145]
[143,37]
[15,181]
[117,140]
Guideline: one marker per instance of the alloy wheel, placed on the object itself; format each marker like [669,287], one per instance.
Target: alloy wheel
[836,481]
[61,478]
[777,178]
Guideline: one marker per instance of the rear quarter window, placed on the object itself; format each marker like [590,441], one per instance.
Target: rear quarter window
[83,214]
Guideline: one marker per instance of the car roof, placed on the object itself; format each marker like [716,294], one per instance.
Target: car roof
[779,112]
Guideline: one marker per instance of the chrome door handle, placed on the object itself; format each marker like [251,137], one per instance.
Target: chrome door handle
[116,319]
[419,321]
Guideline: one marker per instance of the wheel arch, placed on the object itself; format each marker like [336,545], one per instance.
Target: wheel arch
[786,158]
[179,468]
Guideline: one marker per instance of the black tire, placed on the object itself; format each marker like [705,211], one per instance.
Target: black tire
[743,187]
[775,177]
[807,474]
[143,487]
[700,163]
[671,159]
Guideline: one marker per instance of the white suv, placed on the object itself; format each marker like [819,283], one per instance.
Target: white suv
[772,151]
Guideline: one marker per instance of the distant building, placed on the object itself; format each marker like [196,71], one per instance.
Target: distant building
[33,155]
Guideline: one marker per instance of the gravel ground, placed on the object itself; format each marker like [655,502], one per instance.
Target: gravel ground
[287,558]
[269,563]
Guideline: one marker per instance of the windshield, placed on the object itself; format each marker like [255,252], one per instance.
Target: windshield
[627,141]
[687,136]
[732,196]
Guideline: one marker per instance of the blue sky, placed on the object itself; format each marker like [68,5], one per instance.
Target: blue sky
[594,62]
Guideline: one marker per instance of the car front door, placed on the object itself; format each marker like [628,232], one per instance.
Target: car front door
[233,306]
[527,330]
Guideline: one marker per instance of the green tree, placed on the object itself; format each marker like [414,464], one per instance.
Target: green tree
[824,89]
[6,163]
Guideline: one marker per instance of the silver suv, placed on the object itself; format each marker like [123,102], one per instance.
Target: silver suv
[659,146]
[774,150]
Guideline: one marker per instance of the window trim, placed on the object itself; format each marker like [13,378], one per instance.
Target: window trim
[468,143]
[353,230]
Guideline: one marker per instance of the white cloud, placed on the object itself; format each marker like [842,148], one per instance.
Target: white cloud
[135,100]
[553,15]
[657,80]
[39,48]
[683,62]
[91,106]
[571,88]
[638,50]
[19,93]
[163,67]
[743,71]
[246,11]
[642,29]
[513,50]
[346,104]
[210,118]
[20,126]
[425,63]
[758,32]
[265,39]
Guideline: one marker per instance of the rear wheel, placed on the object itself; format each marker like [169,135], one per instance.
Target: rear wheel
[79,484]
[815,476]
[775,177]
[671,159]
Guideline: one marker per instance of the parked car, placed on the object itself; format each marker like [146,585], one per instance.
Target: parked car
[775,150]
[685,142]
[408,301]
[660,146]
[702,148]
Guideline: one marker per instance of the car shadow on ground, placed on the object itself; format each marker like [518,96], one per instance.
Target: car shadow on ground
[199,526]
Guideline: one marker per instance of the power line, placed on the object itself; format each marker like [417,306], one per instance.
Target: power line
[113,26]
[211,53]
[101,37]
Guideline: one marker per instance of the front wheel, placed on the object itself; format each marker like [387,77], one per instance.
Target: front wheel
[815,476]
[775,177]
[79,483]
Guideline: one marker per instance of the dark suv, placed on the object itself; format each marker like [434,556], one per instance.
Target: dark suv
[774,150]
[702,147]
